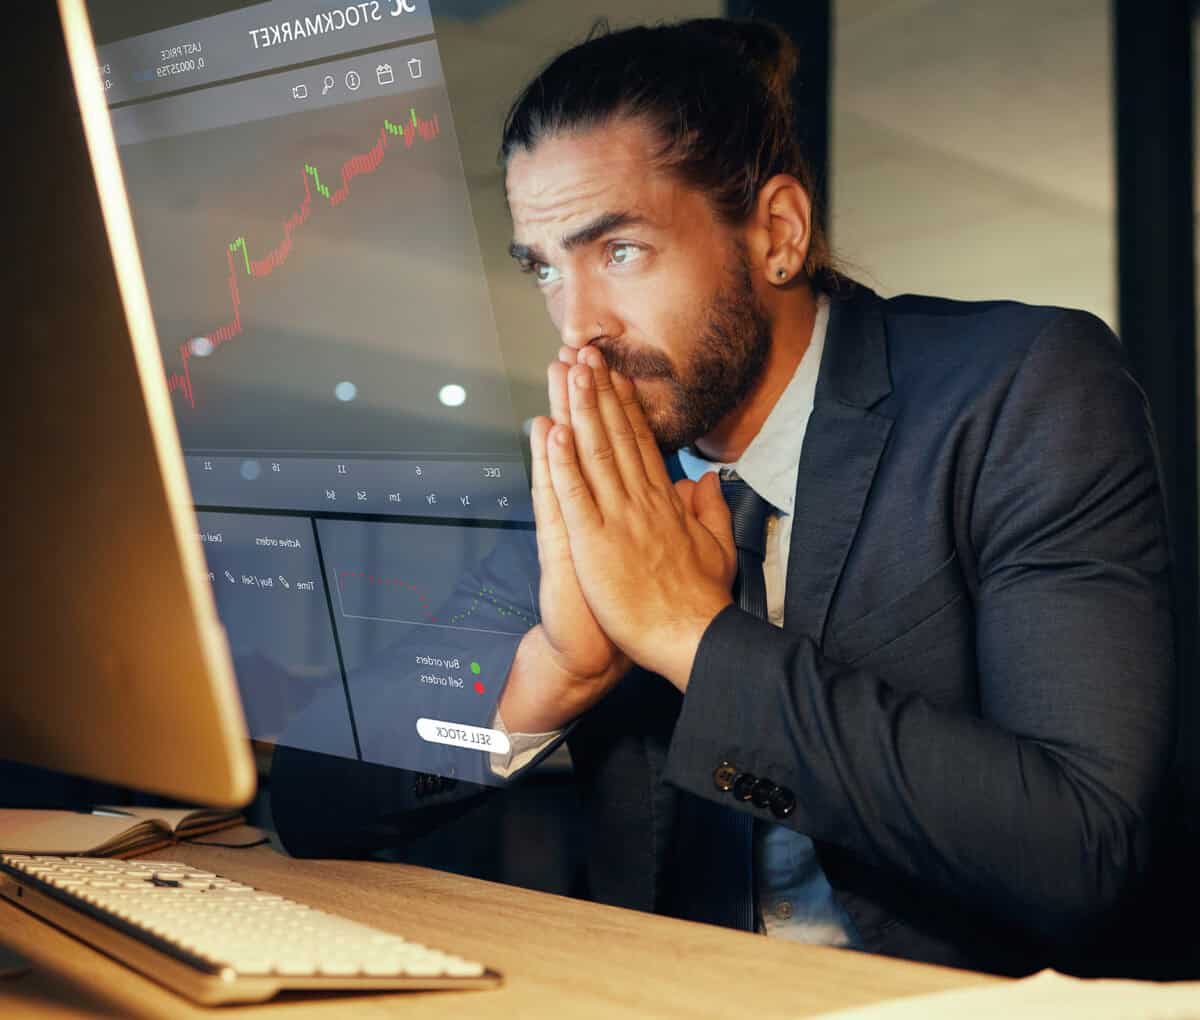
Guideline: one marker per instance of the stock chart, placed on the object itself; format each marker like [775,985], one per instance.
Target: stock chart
[316,281]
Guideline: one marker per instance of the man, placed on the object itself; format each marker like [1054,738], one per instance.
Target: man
[919,705]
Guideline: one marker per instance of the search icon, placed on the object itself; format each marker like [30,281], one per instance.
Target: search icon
[327,84]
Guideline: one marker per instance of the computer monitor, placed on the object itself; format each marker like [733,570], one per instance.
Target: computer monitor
[328,349]
[117,667]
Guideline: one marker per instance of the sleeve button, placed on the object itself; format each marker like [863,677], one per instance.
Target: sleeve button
[782,802]
[762,792]
[743,786]
[723,776]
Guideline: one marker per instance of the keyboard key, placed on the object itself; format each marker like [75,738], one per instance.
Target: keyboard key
[296,966]
[423,968]
[384,968]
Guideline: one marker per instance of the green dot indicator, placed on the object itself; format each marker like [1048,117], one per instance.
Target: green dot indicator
[475,668]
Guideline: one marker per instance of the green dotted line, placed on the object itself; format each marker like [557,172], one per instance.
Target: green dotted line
[489,595]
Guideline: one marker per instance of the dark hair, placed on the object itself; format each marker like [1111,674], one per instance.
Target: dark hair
[716,91]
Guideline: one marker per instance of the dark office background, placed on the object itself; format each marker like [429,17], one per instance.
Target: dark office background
[1057,165]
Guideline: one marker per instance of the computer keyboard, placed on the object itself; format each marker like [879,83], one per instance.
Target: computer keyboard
[218,941]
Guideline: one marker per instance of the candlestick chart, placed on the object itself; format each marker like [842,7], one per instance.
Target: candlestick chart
[316,279]
[180,382]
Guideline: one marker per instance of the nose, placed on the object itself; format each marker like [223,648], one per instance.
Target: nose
[585,314]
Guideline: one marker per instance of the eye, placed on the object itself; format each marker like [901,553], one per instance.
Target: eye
[623,254]
[544,274]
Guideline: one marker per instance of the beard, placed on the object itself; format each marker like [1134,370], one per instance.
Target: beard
[722,369]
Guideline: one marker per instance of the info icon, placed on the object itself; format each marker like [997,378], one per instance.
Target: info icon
[353,81]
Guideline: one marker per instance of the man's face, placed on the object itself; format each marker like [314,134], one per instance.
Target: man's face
[634,263]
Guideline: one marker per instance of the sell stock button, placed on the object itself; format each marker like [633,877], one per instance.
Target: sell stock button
[473,738]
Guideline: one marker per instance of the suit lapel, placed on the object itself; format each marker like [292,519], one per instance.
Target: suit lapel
[842,447]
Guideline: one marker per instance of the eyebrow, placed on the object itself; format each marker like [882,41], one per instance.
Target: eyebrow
[601,225]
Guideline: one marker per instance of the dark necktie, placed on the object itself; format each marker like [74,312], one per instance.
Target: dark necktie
[721,854]
[750,512]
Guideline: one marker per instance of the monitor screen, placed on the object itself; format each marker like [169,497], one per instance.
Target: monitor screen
[330,349]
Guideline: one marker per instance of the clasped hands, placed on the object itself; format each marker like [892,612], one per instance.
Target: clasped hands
[633,566]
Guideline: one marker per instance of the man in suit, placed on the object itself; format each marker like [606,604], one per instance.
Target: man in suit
[909,689]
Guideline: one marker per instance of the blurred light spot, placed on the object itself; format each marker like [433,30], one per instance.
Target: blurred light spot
[345,391]
[251,469]
[452,395]
[201,346]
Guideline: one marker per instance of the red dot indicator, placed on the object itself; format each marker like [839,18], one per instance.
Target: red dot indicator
[479,688]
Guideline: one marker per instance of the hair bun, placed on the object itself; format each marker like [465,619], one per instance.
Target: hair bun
[765,46]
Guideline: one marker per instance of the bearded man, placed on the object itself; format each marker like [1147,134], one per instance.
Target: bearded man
[854,611]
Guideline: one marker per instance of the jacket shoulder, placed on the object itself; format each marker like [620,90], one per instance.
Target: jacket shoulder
[974,344]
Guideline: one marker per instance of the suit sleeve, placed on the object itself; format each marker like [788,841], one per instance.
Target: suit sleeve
[1037,808]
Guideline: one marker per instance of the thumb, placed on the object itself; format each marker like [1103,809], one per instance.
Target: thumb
[712,511]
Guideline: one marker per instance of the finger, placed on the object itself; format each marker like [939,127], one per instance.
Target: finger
[579,509]
[597,457]
[685,489]
[652,459]
[556,381]
[612,413]
[711,510]
[551,532]
[568,355]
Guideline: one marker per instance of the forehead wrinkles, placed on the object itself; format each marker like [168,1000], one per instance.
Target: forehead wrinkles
[557,200]
[561,184]
[552,217]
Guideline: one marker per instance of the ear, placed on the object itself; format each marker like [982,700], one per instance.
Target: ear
[782,229]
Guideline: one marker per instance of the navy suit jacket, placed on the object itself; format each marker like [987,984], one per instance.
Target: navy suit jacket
[971,696]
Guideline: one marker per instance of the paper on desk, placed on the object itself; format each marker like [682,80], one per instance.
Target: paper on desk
[118,832]
[1047,995]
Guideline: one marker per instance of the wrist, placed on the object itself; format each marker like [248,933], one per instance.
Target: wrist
[675,644]
[542,694]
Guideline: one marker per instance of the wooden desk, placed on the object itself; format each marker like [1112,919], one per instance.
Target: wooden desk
[560,957]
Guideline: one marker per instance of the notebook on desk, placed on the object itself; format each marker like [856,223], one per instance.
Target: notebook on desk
[115,832]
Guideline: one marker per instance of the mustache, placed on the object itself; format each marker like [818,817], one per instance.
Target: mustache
[634,363]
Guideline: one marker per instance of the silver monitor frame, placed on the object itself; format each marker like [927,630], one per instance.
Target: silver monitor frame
[117,665]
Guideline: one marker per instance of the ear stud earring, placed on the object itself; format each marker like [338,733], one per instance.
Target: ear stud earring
[781,274]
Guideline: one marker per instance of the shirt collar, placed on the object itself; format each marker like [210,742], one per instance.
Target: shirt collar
[771,462]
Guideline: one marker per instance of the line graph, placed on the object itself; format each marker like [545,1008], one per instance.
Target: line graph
[395,583]
[385,599]
[238,253]
[490,597]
